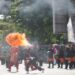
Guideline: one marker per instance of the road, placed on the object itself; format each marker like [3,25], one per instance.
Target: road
[54,71]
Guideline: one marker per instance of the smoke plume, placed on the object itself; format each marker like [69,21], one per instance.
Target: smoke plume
[35,6]
[59,6]
[4,6]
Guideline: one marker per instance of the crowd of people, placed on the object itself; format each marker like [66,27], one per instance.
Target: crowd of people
[60,55]
[63,55]
[17,56]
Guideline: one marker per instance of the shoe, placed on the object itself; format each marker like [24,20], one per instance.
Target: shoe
[42,70]
[48,67]
[52,66]
[17,71]
[9,70]
[27,72]
[58,66]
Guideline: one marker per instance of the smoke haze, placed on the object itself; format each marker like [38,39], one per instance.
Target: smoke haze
[4,6]
[59,6]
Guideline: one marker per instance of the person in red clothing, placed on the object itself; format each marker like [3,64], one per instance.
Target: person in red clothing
[50,58]
[13,59]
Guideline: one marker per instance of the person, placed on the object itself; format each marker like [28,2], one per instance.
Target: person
[50,58]
[27,62]
[66,56]
[40,59]
[72,59]
[61,57]
[74,62]
[56,51]
[30,61]
[13,58]
[21,54]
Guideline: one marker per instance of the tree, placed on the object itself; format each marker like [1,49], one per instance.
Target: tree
[37,25]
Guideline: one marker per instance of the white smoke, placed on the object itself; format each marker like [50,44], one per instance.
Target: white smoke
[4,6]
[35,6]
[60,6]
[64,6]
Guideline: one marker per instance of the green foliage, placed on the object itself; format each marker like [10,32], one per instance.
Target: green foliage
[37,25]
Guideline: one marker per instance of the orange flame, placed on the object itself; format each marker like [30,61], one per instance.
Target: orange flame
[17,39]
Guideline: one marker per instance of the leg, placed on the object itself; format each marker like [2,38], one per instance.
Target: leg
[70,65]
[74,64]
[38,67]
[49,64]
[9,66]
[58,61]
[52,64]
[27,67]
[66,64]
[17,65]
[61,65]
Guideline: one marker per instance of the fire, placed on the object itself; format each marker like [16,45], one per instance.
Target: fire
[17,39]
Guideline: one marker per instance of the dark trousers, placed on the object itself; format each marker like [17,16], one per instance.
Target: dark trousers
[58,62]
[61,65]
[51,62]
[27,65]
[33,62]
[7,63]
[66,64]
[33,65]
[40,63]
[2,61]
[70,65]
[73,64]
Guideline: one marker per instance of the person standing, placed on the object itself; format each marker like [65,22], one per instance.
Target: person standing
[50,58]
[66,56]
[61,56]
[13,58]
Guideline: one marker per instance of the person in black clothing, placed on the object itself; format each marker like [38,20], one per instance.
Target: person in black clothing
[61,57]
[66,55]
[31,61]
[40,59]
[34,64]
[74,58]
[71,54]
[21,54]
[27,62]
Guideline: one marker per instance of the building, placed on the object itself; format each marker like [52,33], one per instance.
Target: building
[62,11]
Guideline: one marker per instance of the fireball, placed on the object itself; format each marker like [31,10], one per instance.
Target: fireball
[17,39]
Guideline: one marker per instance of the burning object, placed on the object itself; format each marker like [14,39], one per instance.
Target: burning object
[17,39]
